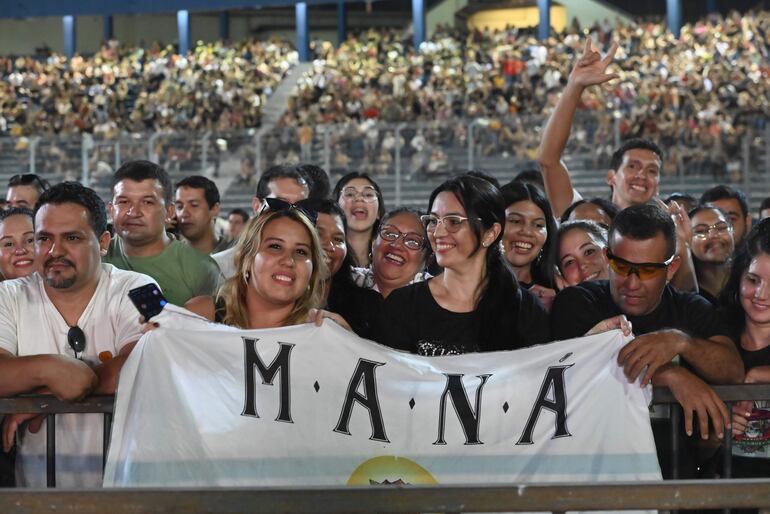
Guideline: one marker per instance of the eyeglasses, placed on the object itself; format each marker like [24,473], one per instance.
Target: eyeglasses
[368,195]
[28,179]
[643,270]
[452,222]
[411,240]
[307,207]
[703,231]
[76,339]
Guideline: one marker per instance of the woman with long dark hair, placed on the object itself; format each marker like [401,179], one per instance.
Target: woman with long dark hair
[357,305]
[746,301]
[476,304]
[529,239]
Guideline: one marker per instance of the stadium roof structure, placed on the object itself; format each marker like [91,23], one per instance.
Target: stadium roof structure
[37,8]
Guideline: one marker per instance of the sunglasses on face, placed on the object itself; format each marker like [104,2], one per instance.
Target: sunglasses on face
[411,240]
[306,207]
[643,270]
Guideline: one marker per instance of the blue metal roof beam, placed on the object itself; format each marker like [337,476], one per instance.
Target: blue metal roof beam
[36,8]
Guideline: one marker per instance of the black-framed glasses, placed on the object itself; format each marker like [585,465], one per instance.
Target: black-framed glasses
[643,270]
[411,240]
[703,231]
[308,207]
[452,222]
[76,338]
[29,179]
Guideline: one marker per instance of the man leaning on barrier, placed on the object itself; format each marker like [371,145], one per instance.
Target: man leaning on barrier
[667,323]
[66,330]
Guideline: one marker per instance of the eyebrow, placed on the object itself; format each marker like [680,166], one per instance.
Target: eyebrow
[23,233]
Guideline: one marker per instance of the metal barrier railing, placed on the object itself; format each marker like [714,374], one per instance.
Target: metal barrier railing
[556,498]
[50,406]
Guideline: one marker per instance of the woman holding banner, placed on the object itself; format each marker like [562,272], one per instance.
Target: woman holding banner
[476,304]
[746,298]
[279,275]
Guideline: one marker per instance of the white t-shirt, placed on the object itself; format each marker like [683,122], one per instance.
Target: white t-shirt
[31,325]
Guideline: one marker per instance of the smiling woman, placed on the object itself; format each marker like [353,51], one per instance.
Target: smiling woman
[279,274]
[476,304]
[17,243]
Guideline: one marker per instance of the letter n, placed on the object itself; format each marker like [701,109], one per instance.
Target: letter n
[268,373]
[469,419]
[364,372]
[553,381]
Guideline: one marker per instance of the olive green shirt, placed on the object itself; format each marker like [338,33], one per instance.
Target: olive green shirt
[182,272]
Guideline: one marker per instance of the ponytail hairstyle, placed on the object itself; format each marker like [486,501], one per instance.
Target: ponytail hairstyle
[498,296]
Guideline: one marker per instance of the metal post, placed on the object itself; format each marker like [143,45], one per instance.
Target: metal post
[151,155]
[471,143]
[108,29]
[70,36]
[50,450]
[711,6]
[767,151]
[183,27]
[398,162]
[674,16]
[675,420]
[303,46]
[33,142]
[205,152]
[418,22]
[342,22]
[747,159]
[258,150]
[116,151]
[224,25]
[86,144]
[106,438]
[327,148]
[544,28]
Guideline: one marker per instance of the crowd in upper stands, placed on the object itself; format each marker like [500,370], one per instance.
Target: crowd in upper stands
[216,86]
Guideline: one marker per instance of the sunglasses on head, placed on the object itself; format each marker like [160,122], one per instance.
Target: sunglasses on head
[307,207]
[643,270]
[77,340]
[28,179]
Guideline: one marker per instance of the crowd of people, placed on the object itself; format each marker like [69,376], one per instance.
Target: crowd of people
[487,267]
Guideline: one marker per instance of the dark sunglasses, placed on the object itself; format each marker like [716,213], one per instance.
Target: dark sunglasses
[76,339]
[308,207]
[643,270]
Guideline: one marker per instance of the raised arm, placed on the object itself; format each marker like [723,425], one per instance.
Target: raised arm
[590,69]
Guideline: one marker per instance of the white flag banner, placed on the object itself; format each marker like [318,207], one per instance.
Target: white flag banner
[206,405]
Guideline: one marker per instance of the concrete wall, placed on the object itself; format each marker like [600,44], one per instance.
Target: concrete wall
[590,11]
[443,14]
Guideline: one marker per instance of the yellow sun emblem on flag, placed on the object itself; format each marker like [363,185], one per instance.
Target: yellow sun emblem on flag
[390,470]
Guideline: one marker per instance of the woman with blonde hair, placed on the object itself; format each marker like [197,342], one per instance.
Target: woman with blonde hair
[279,275]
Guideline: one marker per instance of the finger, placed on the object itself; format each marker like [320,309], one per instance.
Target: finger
[609,76]
[647,378]
[611,54]
[703,421]
[9,432]
[588,47]
[688,420]
[35,424]
[717,421]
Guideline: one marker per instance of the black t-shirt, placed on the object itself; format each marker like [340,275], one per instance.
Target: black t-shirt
[754,358]
[412,320]
[359,307]
[576,310]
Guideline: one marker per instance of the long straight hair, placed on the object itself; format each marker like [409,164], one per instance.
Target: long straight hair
[498,296]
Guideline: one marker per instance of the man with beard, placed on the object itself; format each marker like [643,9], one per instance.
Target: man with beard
[66,330]
[712,249]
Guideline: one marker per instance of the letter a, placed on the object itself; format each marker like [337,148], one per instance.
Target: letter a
[364,372]
[554,380]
